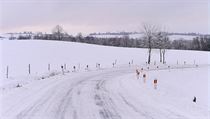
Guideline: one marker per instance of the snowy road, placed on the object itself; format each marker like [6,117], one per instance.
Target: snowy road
[104,94]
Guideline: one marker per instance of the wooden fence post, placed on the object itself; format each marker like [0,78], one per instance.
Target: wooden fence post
[7,74]
[64,66]
[48,67]
[29,69]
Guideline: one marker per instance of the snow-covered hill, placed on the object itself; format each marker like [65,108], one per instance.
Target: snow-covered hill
[105,93]
[18,54]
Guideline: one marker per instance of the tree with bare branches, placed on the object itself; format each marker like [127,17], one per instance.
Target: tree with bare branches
[58,32]
[149,32]
[159,43]
[162,42]
[165,44]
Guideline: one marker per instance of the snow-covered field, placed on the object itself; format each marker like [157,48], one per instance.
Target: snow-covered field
[105,93]
[19,54]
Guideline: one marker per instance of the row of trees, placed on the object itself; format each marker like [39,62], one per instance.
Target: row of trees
[153,37]
[158,38]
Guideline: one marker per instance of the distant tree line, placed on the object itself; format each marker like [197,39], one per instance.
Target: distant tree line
[198,43]
[128,33]
[160,41]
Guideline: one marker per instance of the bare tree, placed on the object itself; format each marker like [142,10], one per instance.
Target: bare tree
[79,38]
[165,44]
[149,32]
[162,43]
[159,43]
[58,32]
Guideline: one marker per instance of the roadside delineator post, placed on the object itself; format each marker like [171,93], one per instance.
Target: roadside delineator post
[87,67]
[137,73]
[144,78]
[62,69]
[74,67]
[155,83]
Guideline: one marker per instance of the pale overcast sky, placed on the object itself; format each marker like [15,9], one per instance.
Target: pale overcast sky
[104,15]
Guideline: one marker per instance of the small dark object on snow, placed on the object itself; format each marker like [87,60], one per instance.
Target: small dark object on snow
[194,99]
[18,86]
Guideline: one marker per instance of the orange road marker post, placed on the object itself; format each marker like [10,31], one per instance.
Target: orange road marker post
[155,83]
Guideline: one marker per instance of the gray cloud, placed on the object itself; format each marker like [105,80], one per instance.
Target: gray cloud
[101,15]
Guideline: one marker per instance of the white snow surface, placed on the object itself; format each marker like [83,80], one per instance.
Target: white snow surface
[101,93]
[19,54]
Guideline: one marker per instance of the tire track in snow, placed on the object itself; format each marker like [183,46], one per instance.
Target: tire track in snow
[33,109]
[143,113]
[93,83]
[107,108]
[66,102]
[104,101]
[28,96]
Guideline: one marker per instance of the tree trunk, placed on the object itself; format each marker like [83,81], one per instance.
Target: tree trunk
[160,55]
[149,58]
[164,51]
